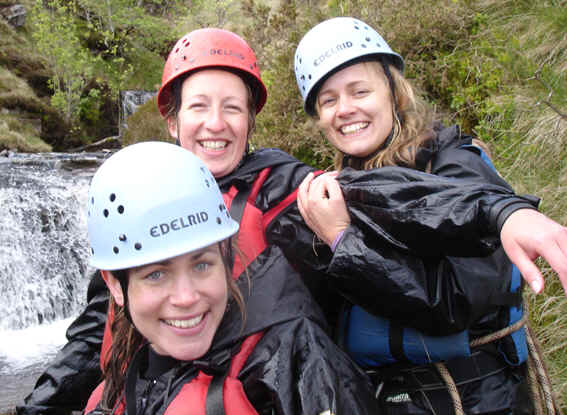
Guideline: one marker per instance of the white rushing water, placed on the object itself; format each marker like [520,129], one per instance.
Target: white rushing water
[31,346]
[44,267]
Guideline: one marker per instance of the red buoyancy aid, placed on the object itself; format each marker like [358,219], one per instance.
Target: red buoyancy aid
[192,396]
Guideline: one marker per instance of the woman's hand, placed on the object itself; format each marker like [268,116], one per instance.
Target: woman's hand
[528,234]
[321,203]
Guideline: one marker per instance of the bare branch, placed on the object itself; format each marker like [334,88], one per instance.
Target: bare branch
[537,77]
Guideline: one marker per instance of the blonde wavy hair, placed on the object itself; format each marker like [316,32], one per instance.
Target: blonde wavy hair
[412,126]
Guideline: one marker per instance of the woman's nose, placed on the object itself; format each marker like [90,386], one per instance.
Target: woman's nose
[184,292]
[215,119]
[345,106]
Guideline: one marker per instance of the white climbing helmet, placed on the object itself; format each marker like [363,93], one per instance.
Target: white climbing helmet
[331,44]
[152,201]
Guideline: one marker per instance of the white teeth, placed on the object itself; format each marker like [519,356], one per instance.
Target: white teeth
[213,144]
[352,128]
[185,324]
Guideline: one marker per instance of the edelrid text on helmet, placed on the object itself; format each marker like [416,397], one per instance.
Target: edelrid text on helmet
[210,48]
[329,46]
[152,201]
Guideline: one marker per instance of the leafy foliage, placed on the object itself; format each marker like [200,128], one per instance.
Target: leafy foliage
[56,34]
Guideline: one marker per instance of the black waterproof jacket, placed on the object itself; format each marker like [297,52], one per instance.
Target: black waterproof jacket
[294,369]
[422,274]
[475,206]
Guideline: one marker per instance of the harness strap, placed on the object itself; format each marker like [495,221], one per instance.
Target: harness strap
[396,342]
[239,203]
[214,404]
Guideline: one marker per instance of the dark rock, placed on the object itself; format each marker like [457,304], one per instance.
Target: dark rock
[15,15]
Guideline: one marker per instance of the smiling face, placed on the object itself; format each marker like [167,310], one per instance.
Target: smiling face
[355,109]
[213,119]
[177,304]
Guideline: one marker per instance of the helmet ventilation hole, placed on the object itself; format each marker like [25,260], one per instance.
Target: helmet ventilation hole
[105,213]
[219,221]
[138,246]
[122,237]
[120,209]
[112,197]
[116,250]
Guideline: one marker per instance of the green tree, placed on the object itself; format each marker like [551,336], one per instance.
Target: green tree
[56,37]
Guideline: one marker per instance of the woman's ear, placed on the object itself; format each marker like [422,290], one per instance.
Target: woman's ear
[172,127]
[114,286]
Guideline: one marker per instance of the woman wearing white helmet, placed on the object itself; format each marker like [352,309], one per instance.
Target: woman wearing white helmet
[185,338]
[409,332]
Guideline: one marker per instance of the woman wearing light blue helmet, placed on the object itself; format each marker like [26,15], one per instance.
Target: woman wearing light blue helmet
[352,84]
[185,338]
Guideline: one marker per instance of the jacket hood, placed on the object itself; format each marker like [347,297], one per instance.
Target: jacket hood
[253,163]
[274,294]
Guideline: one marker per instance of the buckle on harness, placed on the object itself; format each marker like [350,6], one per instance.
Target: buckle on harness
[216,364]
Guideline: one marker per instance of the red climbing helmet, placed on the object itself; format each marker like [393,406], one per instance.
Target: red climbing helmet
[206,48]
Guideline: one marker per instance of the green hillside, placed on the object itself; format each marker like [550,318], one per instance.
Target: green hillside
[496,67]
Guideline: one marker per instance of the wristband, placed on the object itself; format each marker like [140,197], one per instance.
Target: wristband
[337,239]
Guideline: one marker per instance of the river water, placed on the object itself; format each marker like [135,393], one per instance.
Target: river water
[43,261]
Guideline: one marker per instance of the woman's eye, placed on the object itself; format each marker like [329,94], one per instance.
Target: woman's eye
[327,101]
[197,106]
[234,108]
[361,92]
[202,266]
[154,275]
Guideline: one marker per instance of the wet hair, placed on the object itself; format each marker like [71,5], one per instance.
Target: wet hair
[174,104]
[412,124]
[126,339]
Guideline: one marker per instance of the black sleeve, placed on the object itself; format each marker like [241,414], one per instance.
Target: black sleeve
[67,383]
[427,214]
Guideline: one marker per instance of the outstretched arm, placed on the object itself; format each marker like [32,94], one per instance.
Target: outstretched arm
[525,234]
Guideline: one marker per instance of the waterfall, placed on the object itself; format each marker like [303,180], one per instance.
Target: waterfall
[43,239]
[44,254]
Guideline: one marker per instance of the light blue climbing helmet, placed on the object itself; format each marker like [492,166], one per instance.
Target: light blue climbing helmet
[153,201]
[329,46]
